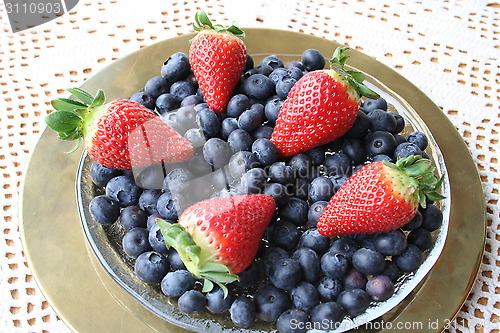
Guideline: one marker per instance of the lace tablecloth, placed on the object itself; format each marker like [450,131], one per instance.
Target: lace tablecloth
[450,49]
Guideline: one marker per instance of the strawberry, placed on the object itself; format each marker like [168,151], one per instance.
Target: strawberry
[320,107]
[219,237]
[381,196]
[217,57]
[121,134]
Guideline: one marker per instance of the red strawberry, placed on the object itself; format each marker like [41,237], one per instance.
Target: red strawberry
[217,57]
[381,196]
[218,238]
[320,107]
[121,134]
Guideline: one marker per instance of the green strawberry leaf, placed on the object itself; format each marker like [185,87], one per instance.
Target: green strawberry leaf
[367,92]
[203,22]
[357,76]
[63,121]
[64,104]
[82,95]
[98,99]
[207,285]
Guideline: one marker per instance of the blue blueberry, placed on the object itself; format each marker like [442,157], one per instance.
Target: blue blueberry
[240,140]
[124,190]
[278,192]
[312,60]
[259,107]
[345,247]
[415,223]
[209,122]
[296,73]
[410,259]
[380,142]
[293,321]
[147,203]
[338,164]
[258,86]
[176,67]
[399,139]
[338,181]
[151,221]
[260,69]
[104,210]
[381,120]
[295,211]
[266,151]
[249,63]
[301,188]
[334,265]
[271,302]
[305,296]
[406,149]
[253,181]
[354,279]
[315,212]
[355,149]
[295,64]
[272,61]
[368,261]
[166,103]
[216,302]
[135,242]
[321,189]
[373,104]
[316,155]
[144,99]
[285,273]
[380,288]
[281,173]
[156,239]
[381,158]
[272,109]
[241,162]
[176,283]
[186,116]
[182,89]
[421,238]
[250,120]
[151,267]
[329,289]
[250,276]
[196,137]
[354,301]
[400,122]
[156,86]
[279,74]
[392,271]
[311,238]
[133,216]
[243,312]
[101,175]
[284,86]
[272,255]
[283,234]
[301,165]
[327,316]
[175,261]
[309,261]
[217,152]
[228,126]
[418,138]
[390,243]
[432,218]
[169,206]
[367,243]
[360,126]
[177,180]
[191,100]
[191,302]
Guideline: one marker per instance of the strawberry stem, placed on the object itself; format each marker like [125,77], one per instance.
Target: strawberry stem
[203,22]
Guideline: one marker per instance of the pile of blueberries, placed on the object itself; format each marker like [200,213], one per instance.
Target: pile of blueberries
[298,276]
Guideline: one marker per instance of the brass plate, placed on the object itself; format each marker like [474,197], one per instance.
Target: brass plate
[86,298]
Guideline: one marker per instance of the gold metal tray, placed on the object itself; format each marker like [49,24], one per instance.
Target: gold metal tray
[88,300]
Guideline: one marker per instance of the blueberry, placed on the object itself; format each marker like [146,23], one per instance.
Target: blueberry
[399,139]
[327,316]
[315,212]
[240,140]
[360,126]
[216,302]
[133,216]
[311,238]
[250,276]
[372,104]
[272,255]
[260,69]
[272,109]
[391,270]
[355,149]
[175,261]
[295,211]
[253,181]
[381,120]
[305,296]
[296,73]
[354,301]
[156,86]
[410,259]
[156,239]
[250,120]
[186,116]
[124,190]
[266,151]
[272,61]
[334,265]
[249,63]
[176,67]
[390,243]
[271,302]
[367,243]
[418,138]
[201,106]
[368,261]
[321,189]
[415,222]
[258,86]
[301,165]
[176,283]
[192,301]
[259,107]
[309,261]
[380,142]
[243,312]
[168,206]
[316,155]
[380,288]
[338,181]
[285,273]
[177,180]
[295,64]
[400,122]
[313,60]
[283,234]
[432,218]
[135,242]
[381,158]
[143,99]
[198,166]
[278,192]
[241,162]
[279,74]
[354,279]
[292,321]
[338,164]
[228,126]
[166,103]
[217,152]
[196,137]
[301,188]
[329,289]
[209,123]
[345,247]
[147,203]
[421,238]
[151,221]
[182,89]
[406,149]
[191,100]
[284,86]
[101,175]
[151,267]
[281,173]
[150,177]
